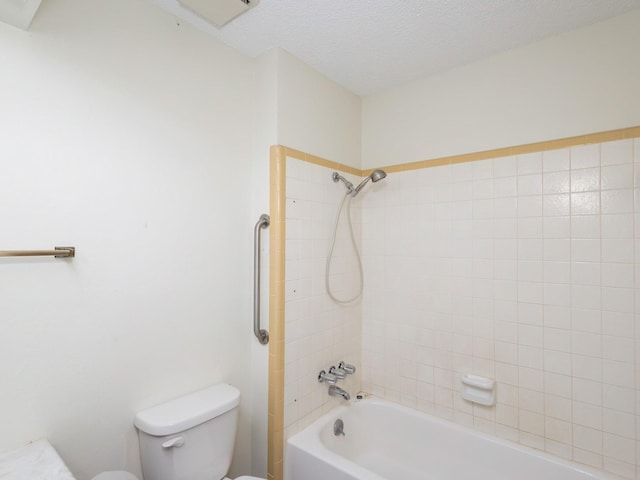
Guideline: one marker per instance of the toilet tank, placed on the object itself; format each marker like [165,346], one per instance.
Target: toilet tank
[191,437]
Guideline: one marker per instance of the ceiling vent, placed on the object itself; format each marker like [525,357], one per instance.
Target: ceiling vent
[219,12]
[18,13]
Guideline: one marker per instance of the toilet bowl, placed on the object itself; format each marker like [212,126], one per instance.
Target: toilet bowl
[190,437]
[121,475]
[115,475]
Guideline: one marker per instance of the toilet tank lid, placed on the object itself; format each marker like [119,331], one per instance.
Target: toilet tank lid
[189,411]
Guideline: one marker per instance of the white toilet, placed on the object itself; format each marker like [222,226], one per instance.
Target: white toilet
[115,475]
[190,437]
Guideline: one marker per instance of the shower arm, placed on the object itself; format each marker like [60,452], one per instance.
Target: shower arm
[337,177]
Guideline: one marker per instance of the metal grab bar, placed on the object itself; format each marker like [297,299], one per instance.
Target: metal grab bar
[261,335]
[58,252]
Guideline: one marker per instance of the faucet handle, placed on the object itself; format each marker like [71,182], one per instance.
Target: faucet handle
[349,369]
[338,372]
[330,378]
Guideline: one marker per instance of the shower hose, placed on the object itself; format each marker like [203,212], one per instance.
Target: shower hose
[347,198]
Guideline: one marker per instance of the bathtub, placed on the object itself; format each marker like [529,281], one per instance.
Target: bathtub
[385,441]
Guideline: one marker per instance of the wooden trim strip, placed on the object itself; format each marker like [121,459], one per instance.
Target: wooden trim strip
[600,137]
[277,211]
[323,162]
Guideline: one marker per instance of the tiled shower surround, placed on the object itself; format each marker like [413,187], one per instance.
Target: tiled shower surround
[318,332]
[520,268]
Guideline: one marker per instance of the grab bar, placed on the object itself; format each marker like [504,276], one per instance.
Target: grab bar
[58,252]
[261,335]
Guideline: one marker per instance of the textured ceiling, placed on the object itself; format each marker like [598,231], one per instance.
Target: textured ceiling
[369,46]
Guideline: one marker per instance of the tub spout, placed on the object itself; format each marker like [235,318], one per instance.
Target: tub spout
[336,391]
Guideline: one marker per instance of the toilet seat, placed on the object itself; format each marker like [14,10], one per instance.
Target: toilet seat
[115,475]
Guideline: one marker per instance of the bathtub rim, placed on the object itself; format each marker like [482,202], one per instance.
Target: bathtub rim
[310,437]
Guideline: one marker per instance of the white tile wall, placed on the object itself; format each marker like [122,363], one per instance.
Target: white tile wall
[318,332]
[519,268]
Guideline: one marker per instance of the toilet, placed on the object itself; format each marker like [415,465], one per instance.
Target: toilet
[115,475]
[189,437]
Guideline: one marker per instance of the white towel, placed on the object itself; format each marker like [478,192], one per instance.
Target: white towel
[36,461]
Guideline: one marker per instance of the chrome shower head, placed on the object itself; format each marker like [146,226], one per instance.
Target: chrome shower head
[378,175]
[375,176]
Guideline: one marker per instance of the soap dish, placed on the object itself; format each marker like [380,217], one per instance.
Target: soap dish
[478,389]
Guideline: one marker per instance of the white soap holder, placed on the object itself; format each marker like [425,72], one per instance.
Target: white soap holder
[480,390]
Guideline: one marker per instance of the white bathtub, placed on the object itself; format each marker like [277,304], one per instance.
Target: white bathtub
[385,441]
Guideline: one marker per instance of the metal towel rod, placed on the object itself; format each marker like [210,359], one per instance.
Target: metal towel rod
[261,335]
[58,252]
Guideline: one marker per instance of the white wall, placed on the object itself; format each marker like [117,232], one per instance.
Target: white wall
[265,86]
[316,115]
[125,135]
[580,82]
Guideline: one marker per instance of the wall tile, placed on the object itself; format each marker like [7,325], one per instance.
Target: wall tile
[617,225]
[557,272]
[529,184]
[619,448]
[617,176]
[505,167]
[585,180]
[558,407]
[556,160]
[618,398]
[557,362]
[587,391]
[585,270]
[585,226]
[557,384]
[586,320]
[588,458]
[558,339]
[529,163]
[556,182]
[505,187]
[556,316]
[618,348]
[556,227]
[558,430]
[618,423]
[585,156]
[586,367]
[617,201]
[530,206]
[617,250]
[588,203]
[588,439]
[617,152]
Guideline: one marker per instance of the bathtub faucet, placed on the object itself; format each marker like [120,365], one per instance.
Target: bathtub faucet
[336,391]
[345,367]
